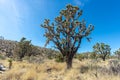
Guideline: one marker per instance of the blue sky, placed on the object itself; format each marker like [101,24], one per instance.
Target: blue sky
[22,18]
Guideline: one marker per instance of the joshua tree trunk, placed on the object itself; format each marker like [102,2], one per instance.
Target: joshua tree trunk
[69,59]
[103,58]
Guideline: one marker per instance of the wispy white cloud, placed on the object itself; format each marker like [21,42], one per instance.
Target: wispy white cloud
[8,20]
[80,2]
[11,18]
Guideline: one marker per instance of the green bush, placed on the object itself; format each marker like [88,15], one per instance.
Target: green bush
[59,58]
[36,59]
[26,58]
[84,69]
[80,57]
[93,55]
[2,57]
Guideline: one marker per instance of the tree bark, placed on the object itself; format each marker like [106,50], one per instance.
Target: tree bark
[69,61]
[103,58]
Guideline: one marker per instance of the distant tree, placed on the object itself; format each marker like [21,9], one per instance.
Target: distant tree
[102,49]
[24,48]
[117,53]
[67,32]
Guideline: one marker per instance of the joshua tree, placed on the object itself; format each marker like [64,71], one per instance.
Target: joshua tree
[67,32]
[24,48]
[117,53]
[102,49]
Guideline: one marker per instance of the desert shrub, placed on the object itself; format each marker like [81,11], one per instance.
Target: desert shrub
[59,58]
[112,57]
[93,55]
[12,76]
[86,55]
[49,56]
[114,67]
[26,58]
[48,53]
[84,69]
[80,57]
[36,59]
[2,57]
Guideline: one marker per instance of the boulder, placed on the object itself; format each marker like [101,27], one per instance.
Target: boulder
[2,67]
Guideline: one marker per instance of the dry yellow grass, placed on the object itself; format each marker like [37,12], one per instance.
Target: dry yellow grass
[51,70]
